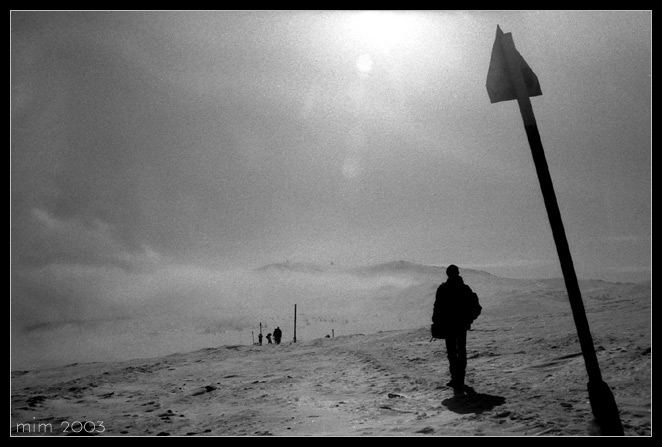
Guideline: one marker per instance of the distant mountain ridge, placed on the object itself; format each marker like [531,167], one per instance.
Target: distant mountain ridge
[293,267]
[391,267]
[417,269]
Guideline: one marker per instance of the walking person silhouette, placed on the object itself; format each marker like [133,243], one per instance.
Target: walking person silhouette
[278,334]
[456,306]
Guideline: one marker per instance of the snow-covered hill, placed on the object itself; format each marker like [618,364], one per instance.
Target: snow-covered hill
[380,375]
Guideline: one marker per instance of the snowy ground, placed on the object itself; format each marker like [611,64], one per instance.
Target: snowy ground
[525,369]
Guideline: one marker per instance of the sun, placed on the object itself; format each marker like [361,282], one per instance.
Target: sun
[384,30]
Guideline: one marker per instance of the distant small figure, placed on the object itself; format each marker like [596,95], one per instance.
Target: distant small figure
[278,334]
[259,339]
[269,338]
[456,306]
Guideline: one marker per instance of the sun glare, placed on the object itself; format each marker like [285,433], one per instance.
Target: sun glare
[384,30]
[364,63]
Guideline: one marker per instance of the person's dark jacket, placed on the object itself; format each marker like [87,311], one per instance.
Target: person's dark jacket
[456,306]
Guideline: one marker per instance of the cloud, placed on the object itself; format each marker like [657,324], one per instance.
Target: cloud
[102,311]
[70,269]
[74,241]
[80,287]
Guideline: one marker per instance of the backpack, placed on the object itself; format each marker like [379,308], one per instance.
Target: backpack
[476,308]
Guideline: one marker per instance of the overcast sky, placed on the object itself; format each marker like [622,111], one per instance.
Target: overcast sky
[245,138]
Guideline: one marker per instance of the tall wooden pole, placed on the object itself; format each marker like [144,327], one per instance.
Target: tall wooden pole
[602,400]
[295,323]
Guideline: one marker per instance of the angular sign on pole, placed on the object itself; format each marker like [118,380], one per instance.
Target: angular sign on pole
[499,85]
[509,77]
